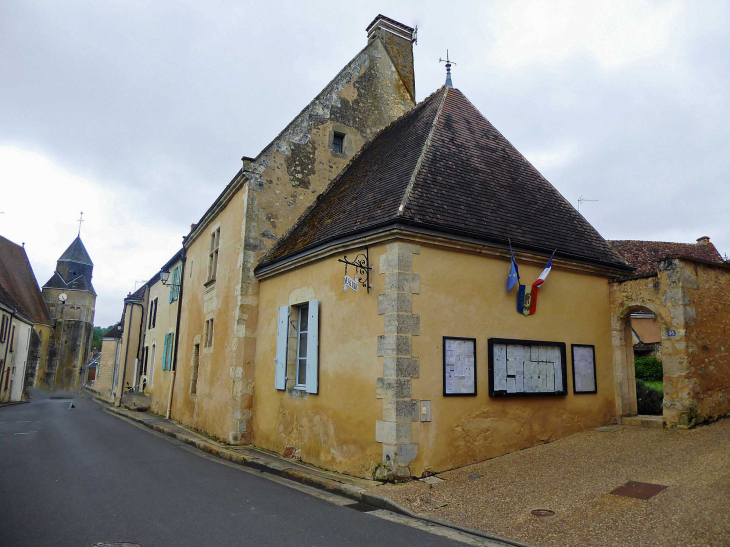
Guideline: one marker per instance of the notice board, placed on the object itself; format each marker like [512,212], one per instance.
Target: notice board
[584,368]
[526,367]
[460,366]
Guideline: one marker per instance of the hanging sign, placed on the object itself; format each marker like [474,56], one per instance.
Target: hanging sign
[349,283]
[362,268]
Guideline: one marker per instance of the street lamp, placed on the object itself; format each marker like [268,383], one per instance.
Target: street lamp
[165,275]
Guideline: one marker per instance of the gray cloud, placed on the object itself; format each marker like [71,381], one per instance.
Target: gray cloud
[155,103]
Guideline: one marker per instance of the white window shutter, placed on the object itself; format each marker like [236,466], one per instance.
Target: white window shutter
[313,347]
[282,339]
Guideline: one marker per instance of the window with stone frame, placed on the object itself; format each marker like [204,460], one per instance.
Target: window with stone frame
[153,314]
[215,237]
[338,143]
[208,338]
[297,343]
[302,330]
[194,370]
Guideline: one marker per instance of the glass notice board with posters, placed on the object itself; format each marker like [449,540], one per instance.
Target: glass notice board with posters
[460,366]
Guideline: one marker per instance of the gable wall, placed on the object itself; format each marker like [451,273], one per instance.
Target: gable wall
[280,184]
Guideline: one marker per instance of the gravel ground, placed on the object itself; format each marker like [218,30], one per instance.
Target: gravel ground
[573,478]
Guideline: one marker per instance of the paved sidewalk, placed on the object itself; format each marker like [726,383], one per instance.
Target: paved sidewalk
[573,478]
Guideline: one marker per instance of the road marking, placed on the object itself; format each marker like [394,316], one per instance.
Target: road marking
[23,422]
[28,433]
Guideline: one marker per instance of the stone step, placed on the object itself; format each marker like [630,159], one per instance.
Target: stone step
[643,421]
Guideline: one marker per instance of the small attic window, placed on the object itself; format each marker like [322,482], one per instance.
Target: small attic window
[338,143]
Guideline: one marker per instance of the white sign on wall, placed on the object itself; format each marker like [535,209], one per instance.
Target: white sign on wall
[349,283]
[526,367]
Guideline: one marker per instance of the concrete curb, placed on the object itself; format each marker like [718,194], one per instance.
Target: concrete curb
[350,491]
[13,403]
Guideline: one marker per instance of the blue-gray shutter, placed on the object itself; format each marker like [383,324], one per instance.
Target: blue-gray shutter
[313,347]
[282,339]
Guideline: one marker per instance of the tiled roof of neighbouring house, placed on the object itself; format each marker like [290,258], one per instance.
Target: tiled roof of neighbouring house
[115,331]
[19,283]
[645,255]
[444,167]
[76,252]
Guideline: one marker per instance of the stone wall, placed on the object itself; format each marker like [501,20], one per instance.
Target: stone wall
[709,338]
[107,363]
[688,299]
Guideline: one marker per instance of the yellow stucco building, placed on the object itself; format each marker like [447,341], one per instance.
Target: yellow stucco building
[431,363]
[217,337]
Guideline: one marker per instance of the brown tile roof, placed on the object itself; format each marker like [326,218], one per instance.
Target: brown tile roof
[19,282]
[115,331]
[645,255]
[444,167]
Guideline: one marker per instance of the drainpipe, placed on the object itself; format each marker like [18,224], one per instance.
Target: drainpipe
[126,354]
[183,257]
[7,346]
[139,340]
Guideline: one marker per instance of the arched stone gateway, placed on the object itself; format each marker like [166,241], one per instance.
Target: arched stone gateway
[688,300]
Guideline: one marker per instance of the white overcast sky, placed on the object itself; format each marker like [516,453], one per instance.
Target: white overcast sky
[138,112]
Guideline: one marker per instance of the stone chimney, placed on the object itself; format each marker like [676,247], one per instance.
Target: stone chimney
[398,40]
[704,240]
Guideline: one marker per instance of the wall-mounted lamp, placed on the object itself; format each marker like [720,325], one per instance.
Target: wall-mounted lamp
[165,275]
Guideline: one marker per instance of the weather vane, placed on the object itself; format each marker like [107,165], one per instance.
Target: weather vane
[81,219]
[448,68]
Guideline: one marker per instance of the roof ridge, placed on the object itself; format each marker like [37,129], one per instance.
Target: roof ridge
[426,145]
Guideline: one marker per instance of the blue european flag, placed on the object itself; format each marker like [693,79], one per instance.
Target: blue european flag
[514,273]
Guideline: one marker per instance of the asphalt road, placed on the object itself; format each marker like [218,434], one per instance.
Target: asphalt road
[77,477]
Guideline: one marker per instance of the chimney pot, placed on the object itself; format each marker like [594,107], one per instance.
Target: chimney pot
[704,240]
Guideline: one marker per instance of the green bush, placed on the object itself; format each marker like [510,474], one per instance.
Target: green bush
[648,368]
[649,401]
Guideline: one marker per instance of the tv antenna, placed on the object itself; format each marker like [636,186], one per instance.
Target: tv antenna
[448,68]
[582,200]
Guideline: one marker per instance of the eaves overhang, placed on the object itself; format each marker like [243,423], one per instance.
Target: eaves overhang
[405,228]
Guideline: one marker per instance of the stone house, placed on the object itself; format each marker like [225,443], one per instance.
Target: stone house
[216,344]
[685,286]
[107,371]
[25,324]
[429,365]
[121,350]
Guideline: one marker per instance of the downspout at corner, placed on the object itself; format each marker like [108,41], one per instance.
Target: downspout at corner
[183,258]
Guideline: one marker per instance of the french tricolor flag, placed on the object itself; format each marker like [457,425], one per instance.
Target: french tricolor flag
[545,272]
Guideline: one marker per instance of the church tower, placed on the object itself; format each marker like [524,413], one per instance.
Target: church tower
[71,299]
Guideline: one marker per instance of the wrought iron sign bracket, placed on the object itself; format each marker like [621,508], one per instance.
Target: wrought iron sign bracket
[362,266]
